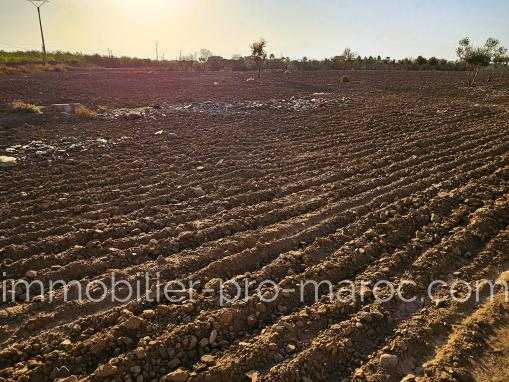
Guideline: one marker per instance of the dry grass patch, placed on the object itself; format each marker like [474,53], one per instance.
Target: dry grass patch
[24,107]
[32,68]
[84,112]
[10,70]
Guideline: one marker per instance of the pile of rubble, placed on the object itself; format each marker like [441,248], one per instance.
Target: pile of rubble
[315,101]
[295,103]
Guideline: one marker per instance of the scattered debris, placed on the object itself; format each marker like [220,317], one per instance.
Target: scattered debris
[150,112]
[57,149]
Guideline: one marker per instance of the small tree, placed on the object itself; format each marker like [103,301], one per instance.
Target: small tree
[259,54]
[205,54]
[421,60]
[477,57]
[286,62]
[349,55]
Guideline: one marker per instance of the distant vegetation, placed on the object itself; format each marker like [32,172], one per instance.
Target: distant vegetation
[491,54]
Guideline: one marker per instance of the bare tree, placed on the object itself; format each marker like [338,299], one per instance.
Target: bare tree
[259,54]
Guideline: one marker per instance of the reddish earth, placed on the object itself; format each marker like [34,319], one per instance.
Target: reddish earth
[404,175]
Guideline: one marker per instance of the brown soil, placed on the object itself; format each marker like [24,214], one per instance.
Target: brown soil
[493,366]
[406,177]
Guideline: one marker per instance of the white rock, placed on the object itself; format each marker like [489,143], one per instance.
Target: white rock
[6,161]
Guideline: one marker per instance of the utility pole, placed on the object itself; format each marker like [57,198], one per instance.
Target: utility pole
[38,4]
[157,52]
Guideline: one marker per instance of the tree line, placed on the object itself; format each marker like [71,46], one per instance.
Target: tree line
[471,58]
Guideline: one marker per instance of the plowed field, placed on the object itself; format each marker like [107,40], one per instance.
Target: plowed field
[391,176]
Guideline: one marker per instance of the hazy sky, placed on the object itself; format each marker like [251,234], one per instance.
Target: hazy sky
[297,28]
